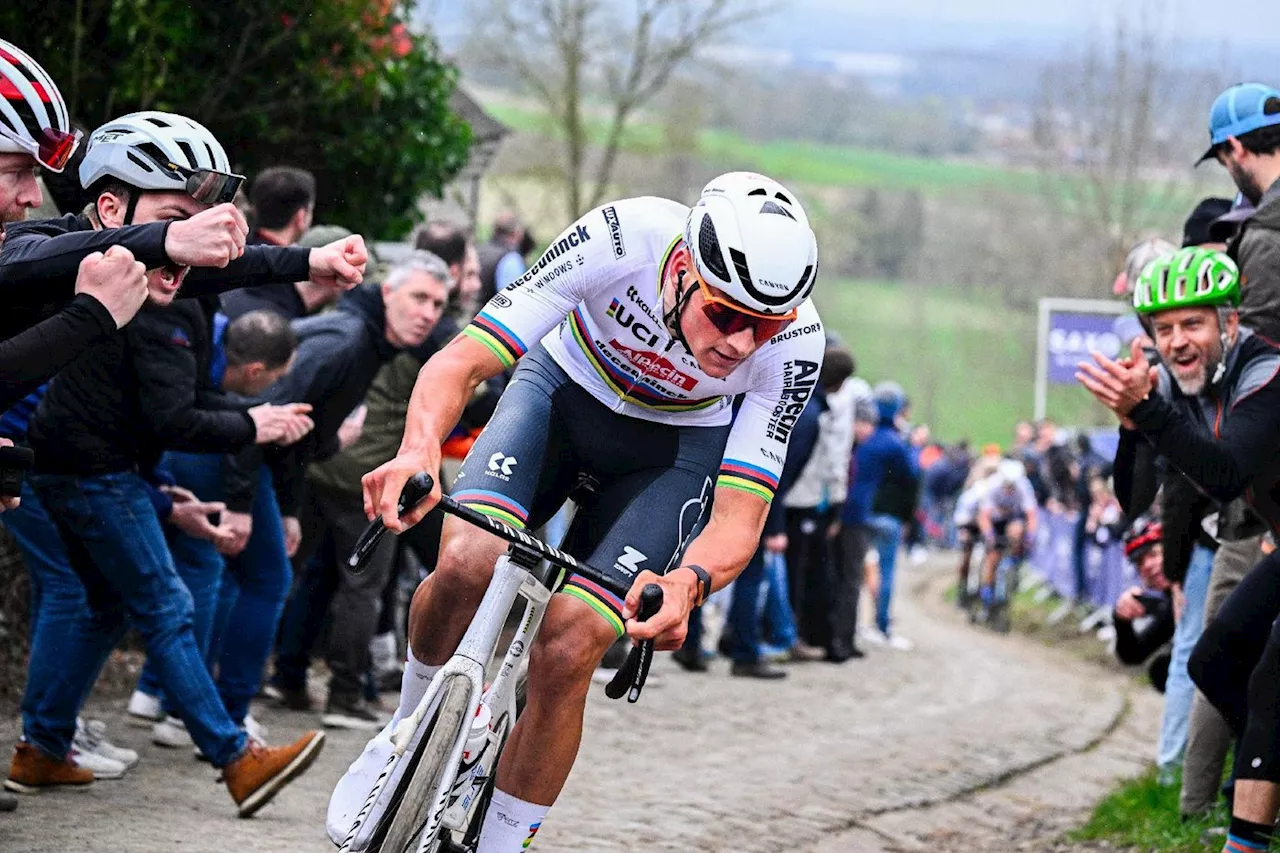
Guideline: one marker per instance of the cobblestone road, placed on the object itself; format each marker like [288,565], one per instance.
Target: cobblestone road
[970,742]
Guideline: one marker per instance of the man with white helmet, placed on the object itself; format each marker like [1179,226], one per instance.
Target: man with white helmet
[633,332]
[162,184]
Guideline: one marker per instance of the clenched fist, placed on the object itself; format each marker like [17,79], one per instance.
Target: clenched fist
[212,238]
[340,264]
[116,280]
[281,424]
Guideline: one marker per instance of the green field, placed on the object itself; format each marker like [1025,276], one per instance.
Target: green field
[791,160]
[967,362]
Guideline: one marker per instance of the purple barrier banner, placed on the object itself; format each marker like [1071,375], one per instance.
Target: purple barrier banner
[1107,572]
[1072,336]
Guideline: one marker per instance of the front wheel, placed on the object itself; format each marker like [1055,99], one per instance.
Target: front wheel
[418,798]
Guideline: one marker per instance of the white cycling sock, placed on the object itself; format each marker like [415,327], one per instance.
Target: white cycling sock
[510,824]
[413,686]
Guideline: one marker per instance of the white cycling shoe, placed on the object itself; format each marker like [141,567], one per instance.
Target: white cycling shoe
[352,792]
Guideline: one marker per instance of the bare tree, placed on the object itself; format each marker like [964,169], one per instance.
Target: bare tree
[1116,129]
[595,63]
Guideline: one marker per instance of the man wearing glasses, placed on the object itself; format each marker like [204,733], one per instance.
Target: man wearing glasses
[161,187]
[634,333]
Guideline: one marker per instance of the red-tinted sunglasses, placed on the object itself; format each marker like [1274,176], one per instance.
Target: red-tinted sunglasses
[729,319]
[52,148]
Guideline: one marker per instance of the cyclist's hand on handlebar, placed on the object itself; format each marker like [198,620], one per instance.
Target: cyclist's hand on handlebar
[668,627]
[382,487]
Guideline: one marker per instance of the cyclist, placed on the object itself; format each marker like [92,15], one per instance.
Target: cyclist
[1007,520]
[634,332]
[965,518]
[1213,411]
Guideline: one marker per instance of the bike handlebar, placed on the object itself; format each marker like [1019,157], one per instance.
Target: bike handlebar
[631,677]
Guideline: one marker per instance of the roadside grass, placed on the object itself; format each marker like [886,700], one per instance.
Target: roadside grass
[966,360]
[1143,815]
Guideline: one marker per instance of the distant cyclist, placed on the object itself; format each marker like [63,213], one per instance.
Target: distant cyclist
[1007,519]
[965,518]
[633,333]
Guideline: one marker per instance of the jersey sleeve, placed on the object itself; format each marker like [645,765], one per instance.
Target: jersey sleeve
[761,433]
[1027,495]
[578,261]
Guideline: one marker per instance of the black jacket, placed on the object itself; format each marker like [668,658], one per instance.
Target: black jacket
[100,414]
[339,354]
[1226,440]
[32,357]
[281,296]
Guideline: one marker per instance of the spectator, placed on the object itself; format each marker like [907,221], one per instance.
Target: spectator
[186,362]
[39,335]
[1143,615]
[339,354]
[1244,127]
[502,258]
[282,201]
[884,458]
[89,442]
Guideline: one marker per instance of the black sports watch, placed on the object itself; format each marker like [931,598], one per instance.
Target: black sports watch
[704,583]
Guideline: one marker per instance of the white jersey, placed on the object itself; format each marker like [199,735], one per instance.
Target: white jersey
[1016,500]
[600,283]
[966,511]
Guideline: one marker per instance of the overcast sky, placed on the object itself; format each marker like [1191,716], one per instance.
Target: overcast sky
[1236,22]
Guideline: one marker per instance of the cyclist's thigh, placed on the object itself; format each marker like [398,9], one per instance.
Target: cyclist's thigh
[644,519]
[516,467]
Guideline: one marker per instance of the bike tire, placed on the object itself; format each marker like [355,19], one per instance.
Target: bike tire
[432,763]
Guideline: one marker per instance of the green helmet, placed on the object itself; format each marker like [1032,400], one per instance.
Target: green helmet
[1188,278]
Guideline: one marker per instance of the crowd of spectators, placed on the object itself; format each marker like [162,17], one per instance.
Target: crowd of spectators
[196,376]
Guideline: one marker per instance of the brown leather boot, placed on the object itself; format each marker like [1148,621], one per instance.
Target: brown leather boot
[261,771]
[31,771]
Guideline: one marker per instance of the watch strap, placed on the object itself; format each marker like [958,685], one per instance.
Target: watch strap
[704,582]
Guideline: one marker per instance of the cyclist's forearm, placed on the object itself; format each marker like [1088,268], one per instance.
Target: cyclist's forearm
[731,537]
[445,385]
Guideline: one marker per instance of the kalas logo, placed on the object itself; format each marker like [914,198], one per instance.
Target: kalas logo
[652,364]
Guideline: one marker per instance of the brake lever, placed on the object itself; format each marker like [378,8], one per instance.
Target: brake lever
[630,679]
[415,490]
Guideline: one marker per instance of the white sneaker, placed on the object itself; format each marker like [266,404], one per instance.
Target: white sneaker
[91,737]
[900,643]
[99,765]
[144,709]
[874,636]
[171,733]
[256,731]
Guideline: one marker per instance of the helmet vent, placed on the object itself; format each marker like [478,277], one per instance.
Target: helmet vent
[782,197]
[804,277]
[740,264]
[188,152]
[140,162]
[774,207]
[758,191]
[709,249]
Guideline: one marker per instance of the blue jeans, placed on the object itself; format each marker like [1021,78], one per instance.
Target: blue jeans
[1179,690]
[57,605]
[888,536]
[254,589]
[117,547]
[781,621]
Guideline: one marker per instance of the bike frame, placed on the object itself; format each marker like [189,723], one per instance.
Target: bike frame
[510,581]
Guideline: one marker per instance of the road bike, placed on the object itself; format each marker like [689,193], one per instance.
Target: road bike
[451,743]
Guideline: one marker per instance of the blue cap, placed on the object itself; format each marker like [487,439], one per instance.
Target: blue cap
[1239,110]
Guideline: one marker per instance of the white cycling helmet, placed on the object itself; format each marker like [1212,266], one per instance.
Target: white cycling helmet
[33,116]
[750,238]
[159,151]
[1010,471]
